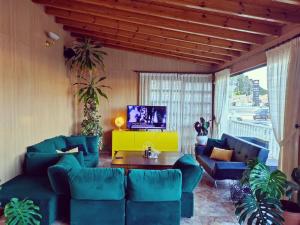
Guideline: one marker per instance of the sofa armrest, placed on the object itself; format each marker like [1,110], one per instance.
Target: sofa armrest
[263,155]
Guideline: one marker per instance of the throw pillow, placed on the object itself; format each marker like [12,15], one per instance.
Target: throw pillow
[221,154]
[71,150]
[58,174]
[77,141]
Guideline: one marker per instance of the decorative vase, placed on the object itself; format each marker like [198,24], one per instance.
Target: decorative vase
[201,140]
[291,213]
[1,211]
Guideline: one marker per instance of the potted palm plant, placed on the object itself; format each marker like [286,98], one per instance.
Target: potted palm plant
[85,57]
[202,131]
[22,212]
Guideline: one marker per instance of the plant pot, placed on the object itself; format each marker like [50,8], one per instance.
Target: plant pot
[202,140]
[291,213]
[1,212]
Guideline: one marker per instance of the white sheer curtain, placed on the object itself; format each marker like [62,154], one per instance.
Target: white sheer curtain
[283,65]
[187,97]
[221,103]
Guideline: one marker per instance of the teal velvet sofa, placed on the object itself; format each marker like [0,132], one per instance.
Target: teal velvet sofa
[65,189]
[86,144]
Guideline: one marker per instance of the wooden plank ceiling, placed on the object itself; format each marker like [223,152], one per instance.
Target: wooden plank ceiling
[210,32]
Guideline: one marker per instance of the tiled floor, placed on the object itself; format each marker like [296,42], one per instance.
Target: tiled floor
[212,205]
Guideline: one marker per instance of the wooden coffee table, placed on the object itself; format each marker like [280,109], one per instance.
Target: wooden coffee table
[136,160]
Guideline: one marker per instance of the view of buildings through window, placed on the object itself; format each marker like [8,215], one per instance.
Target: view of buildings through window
[249,115]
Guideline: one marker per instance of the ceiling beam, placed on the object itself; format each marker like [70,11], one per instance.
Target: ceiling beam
[64,16]
[289,2]
[162,40]
[202,18]
[139,49]
[144,45]
[156,22]
[235,8]
[176,49]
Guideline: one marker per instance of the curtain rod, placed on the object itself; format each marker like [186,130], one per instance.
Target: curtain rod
[142,71]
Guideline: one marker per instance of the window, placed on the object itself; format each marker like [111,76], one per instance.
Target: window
[187,97]
[249,115]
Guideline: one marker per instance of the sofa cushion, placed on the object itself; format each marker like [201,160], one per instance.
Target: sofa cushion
[58,174]
[77,141]
[46,146]
[221,154]
[229,170]
[59,142]
[38,163]
[191,172]
[154,185]
[211,143]
[97,184]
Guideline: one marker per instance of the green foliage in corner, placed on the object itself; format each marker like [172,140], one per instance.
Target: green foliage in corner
[22,212]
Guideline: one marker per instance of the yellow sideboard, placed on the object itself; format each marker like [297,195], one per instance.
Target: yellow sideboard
[140,140]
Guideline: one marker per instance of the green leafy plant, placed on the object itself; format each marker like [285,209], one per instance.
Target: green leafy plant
[262,206]
[202,127]
[86,58]
[91,89]
[22,212]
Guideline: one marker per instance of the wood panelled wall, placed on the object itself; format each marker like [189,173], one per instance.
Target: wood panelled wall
[120,67]
[35,97]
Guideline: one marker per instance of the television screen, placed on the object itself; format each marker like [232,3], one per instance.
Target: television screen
[146,117]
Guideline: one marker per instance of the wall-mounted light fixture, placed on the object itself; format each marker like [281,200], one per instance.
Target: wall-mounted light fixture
[51,39]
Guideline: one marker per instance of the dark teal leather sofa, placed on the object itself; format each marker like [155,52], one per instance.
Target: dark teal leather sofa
[243,151]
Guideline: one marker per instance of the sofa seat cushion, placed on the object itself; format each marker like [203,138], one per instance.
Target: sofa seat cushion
[207,163]
[97,184]
[46,146]
[154,185]
[77,141]
[191,172]
[90,212]
[91,160]
[58,174]
[229,170]
[35,188]
[38,163]
[153,213]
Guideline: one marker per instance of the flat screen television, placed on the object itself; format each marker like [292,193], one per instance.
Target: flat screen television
[146,117]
